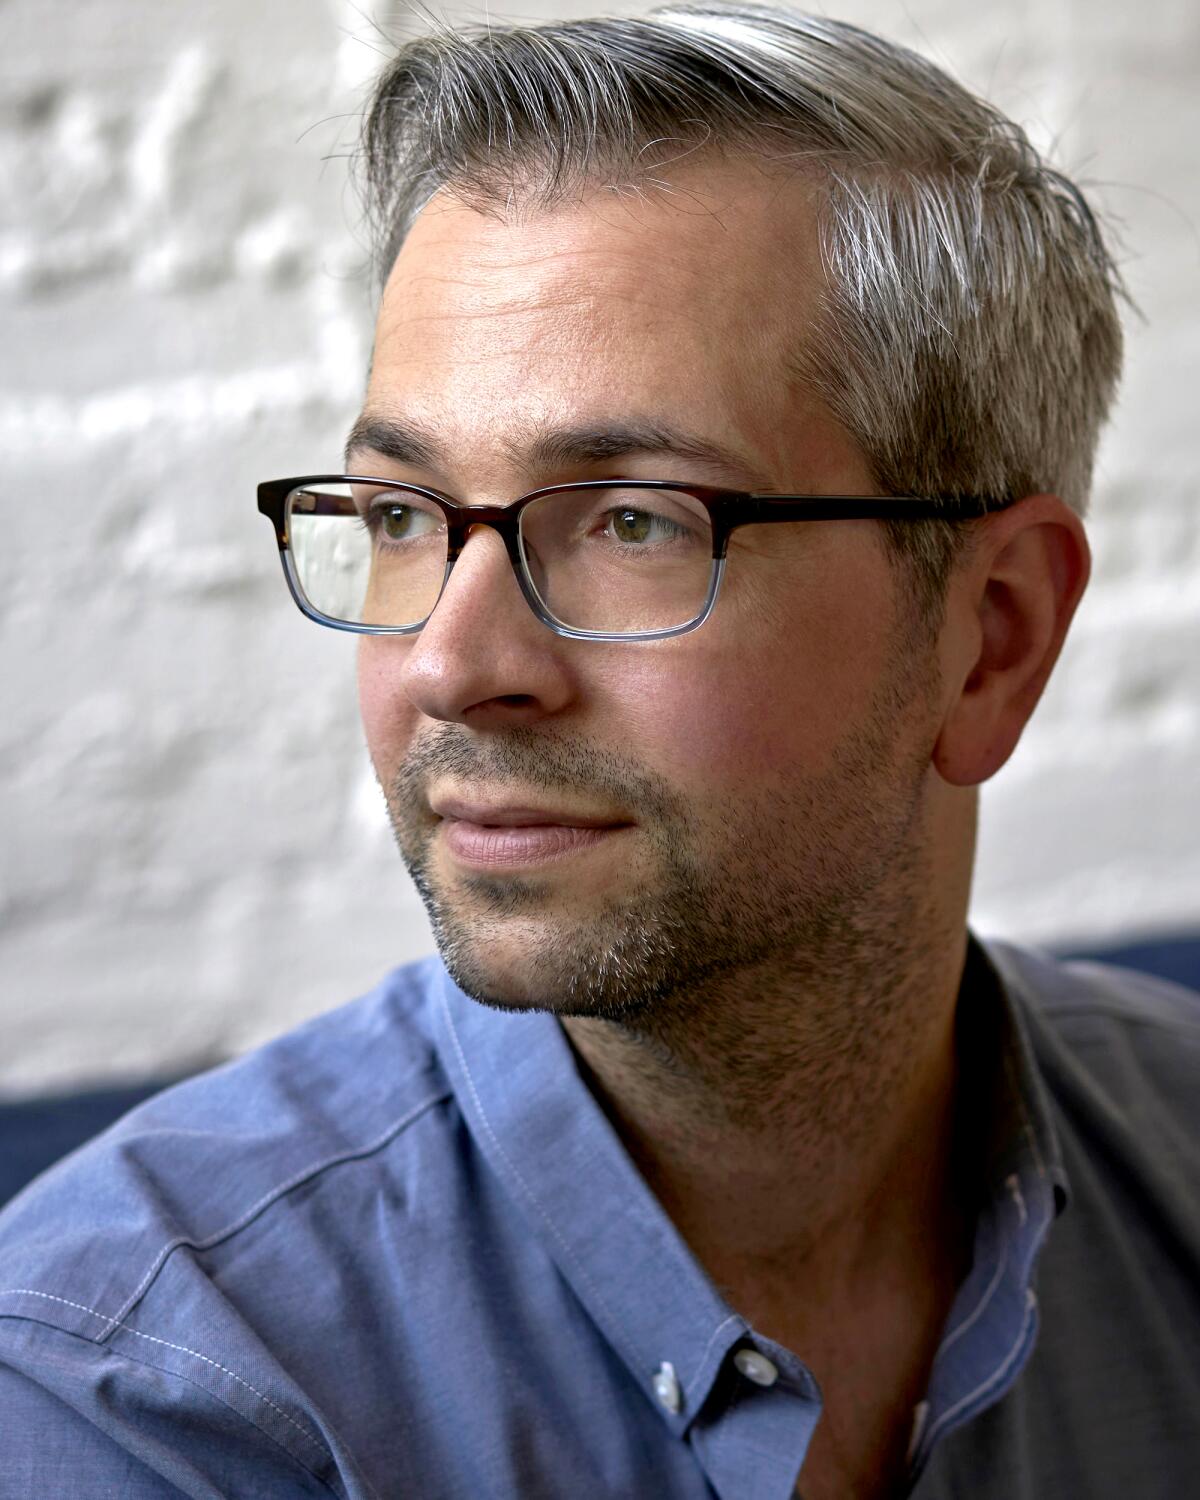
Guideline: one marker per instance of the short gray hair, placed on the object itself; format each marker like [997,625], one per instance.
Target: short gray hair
[969,339]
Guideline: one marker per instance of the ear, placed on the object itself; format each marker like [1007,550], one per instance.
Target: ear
[1008,609]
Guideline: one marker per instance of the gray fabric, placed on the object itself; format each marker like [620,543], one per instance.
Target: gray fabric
[1108,1406]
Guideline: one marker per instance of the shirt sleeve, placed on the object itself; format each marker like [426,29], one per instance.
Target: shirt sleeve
[80,1422]
[48,1449]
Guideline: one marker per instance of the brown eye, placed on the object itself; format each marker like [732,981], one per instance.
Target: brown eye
[405,523]
[634,528]
[631,525]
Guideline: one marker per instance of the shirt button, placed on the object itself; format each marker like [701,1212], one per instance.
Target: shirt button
[665,1383]
[756,1367]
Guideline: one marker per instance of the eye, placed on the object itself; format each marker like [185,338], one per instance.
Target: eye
[397,522]
[633,527]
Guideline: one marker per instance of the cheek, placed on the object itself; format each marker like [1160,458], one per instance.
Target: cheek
[709,723]
[387,715]
[765,698]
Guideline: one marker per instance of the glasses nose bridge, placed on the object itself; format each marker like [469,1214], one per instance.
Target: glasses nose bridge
[503,519]
[462,519]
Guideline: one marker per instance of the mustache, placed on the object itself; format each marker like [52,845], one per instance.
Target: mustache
[529,759]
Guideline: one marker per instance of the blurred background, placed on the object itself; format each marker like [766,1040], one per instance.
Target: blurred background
[194,852]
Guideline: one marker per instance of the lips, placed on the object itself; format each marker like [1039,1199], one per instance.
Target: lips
[482,815]
[496,837]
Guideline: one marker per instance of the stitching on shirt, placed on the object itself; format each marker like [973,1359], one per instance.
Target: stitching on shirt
[993,1379]
[166,1343]
[183,1349]
[269,1197]
[26,1291]
[528,1192]
[977,1312]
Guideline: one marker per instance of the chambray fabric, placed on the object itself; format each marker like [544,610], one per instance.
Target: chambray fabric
[400,1252]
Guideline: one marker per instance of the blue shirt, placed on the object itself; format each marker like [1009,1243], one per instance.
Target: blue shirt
[401,1252]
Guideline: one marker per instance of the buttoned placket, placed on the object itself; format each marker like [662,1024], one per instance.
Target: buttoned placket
[745,1406]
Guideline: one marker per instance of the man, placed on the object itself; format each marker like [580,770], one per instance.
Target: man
[722,1160]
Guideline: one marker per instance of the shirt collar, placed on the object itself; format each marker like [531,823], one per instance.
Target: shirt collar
[1015,1128]
[1010,1140]
[547,1138]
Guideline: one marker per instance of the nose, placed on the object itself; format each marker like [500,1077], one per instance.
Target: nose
[483,658]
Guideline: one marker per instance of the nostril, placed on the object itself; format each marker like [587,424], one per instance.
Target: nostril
[508,700]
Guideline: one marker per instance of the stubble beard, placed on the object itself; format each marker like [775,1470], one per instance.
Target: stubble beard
[632,952]
[806,898]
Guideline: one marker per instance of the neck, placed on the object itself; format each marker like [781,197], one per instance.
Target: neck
[797,1124]
[784,1126]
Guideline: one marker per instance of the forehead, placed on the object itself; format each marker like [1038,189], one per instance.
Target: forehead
[693,295]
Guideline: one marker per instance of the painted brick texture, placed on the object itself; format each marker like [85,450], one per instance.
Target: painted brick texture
[194,852]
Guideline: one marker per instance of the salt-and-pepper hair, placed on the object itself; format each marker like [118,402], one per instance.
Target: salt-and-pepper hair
[969,339]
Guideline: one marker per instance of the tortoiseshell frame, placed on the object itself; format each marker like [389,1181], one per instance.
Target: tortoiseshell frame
[727,510]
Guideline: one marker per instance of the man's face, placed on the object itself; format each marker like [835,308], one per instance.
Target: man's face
[759,783]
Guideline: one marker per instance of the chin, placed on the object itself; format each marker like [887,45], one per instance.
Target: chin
[583,969]
[494,983]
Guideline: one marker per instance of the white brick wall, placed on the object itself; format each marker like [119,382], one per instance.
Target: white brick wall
[193,851]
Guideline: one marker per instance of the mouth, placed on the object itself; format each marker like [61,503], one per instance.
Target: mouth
[499,836]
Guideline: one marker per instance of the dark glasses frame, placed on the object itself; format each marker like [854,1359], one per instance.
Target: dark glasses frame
[727,510]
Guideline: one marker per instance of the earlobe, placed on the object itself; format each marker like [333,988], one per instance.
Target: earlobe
[1008,614]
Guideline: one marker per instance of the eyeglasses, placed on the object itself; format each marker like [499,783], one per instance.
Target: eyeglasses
[606,560]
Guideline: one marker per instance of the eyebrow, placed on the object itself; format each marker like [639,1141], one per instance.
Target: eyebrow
[394,439]
[546,449]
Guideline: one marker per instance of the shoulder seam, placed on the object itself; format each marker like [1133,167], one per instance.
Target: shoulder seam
[268,1198]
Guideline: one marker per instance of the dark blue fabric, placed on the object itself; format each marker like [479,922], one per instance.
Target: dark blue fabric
[401,1252]
[1173,958]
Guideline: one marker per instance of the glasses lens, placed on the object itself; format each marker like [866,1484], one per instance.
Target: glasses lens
[365,554]
[619,560]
